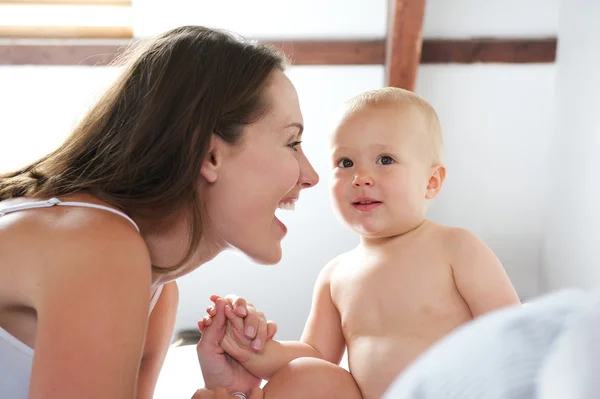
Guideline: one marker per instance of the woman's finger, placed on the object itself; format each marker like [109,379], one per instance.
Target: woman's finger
[261,333]
[251,322]
[212,336]
[238,304]
[234,319]
[256,393]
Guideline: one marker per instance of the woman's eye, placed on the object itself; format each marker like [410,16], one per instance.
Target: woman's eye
[385,160]
[294,145]
[345,163]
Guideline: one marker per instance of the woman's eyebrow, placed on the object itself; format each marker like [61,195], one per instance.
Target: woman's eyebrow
[298,125]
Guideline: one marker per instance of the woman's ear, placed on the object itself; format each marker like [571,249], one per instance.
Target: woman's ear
[436,181]
[213,160]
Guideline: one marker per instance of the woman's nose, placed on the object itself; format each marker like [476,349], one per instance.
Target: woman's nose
[308,174]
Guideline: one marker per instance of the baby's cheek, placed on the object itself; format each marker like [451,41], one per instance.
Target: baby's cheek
[337,192]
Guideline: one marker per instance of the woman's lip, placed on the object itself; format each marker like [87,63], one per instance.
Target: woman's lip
[283,226]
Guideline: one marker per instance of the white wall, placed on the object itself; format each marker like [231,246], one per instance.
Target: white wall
[269,19]
[495,118]
[266,19]
[496,123]
[39,106]
[490,18]
[571,256]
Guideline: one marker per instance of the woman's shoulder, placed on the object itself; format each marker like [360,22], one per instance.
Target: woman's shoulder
[72,242]
[84,216]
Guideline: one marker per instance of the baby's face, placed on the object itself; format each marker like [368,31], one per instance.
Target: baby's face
[380,166]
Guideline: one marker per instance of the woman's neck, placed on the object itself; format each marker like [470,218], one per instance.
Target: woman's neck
[169,245]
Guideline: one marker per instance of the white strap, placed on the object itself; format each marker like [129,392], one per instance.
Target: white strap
[55,201]
[29,205]
[155,297]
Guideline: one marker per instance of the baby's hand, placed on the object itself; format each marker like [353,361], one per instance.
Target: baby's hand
[247,329]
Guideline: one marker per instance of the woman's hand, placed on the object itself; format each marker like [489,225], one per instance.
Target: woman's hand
[221,393]
[218,368]
[256,326]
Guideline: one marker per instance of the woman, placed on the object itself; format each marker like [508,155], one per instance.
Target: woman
[173,165]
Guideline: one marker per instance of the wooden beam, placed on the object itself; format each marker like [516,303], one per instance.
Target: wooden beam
[300,52]
[356,52]
[68,2]
[369,52]
[61,54]
[513,51]
[66,32]
[404,42]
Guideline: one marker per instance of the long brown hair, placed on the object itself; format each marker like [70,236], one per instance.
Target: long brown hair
[141,147]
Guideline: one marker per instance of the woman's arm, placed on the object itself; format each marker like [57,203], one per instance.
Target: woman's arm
[92,304]
[158,339]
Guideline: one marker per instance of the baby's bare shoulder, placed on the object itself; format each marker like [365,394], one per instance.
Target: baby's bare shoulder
[450,242]
[340,268]
[452,237]
[340,260]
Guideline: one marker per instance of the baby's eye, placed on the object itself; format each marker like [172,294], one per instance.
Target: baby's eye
[385,160]
[345,163]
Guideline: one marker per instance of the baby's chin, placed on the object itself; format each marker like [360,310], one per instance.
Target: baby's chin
[368,230]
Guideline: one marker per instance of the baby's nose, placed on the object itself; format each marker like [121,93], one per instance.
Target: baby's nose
[362,180]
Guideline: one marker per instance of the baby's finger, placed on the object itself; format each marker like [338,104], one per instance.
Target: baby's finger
[271,329]
[261,335]
[205,322]
[211,310]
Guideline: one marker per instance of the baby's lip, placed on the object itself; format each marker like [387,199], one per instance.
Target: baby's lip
[365,200]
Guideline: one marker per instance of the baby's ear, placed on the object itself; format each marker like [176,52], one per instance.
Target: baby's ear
[437,176]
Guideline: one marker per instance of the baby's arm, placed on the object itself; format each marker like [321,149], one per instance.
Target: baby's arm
[479,275]
[322,337]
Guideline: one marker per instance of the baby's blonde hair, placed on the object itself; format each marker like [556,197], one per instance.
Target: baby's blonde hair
[399,96]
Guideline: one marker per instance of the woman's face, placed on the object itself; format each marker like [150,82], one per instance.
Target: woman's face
[265,171]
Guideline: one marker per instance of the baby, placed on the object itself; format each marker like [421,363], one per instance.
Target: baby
[410,281]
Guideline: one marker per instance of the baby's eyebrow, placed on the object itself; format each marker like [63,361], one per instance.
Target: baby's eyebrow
[383,147]
[336,151]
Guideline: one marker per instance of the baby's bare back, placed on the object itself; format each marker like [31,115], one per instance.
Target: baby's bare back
[394,302]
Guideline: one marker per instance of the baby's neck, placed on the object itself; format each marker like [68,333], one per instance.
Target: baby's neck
[375,242]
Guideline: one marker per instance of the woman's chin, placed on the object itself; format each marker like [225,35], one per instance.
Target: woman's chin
[267,254]
[271,258]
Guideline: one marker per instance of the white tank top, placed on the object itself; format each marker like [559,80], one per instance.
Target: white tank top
[16,358]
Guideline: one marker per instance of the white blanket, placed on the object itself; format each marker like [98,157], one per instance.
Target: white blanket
[499,355]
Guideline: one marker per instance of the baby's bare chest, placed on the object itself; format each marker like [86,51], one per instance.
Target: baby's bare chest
[397,296]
